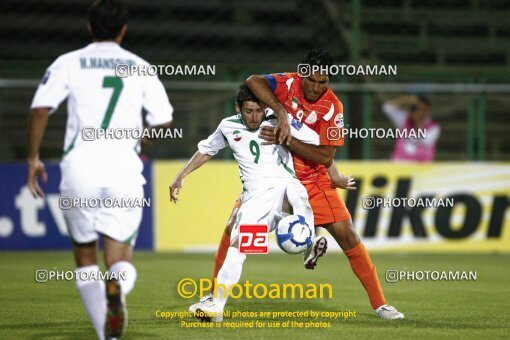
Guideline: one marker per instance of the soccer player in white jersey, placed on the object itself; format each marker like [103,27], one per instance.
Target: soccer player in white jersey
[101,168]
[267,173]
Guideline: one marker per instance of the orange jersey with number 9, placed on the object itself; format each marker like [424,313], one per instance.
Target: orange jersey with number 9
[324,116]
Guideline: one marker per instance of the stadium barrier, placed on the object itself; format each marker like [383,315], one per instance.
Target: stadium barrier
[28,223]
[475,221]
[472,116]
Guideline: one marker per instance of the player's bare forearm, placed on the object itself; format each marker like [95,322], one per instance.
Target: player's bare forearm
[333,171]
[259,85]
[194,163]
[322,154]
[37,123]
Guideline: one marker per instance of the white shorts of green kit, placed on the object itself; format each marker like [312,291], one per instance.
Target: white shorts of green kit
[263,201]
[115,212]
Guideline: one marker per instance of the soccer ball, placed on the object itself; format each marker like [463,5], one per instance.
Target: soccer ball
[293,234]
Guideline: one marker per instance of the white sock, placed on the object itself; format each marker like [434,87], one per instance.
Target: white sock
[127,284]
[298,199]
[93,295]
[229,274]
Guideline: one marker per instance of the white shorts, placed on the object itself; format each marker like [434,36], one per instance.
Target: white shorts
[85,221]
[262,204]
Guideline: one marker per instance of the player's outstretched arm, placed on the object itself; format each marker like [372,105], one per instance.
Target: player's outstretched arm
[36,127]
[340,181]
[259,85]
[194,163]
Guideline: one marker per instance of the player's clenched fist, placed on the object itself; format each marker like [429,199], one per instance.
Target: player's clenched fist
[175,188]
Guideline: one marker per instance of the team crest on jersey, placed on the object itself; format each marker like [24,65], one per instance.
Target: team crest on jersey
[312,118]
[237,135]
[295,103]
[339,120]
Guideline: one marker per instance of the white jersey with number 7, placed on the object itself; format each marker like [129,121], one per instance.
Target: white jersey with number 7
[98,149]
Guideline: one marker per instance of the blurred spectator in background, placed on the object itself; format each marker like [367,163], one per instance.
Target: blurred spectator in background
[413,112]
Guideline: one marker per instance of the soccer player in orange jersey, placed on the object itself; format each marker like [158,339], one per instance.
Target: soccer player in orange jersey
[311,102]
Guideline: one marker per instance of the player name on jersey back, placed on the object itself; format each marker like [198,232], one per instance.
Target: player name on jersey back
[104,62]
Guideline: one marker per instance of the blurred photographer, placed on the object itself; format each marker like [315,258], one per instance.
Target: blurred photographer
[408,113]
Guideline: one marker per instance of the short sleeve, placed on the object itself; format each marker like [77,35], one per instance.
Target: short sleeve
[302,132]
[214,143]
[280,84]
[155,102]
[53,88]
[332,124]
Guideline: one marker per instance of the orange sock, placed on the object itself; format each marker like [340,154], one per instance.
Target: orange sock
[362,266]
[220,255]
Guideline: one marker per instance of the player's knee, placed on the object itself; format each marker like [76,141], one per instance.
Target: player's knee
[86,260]
[85,254]
[345,234]
[352,240]
[229,227]
[234,242]
[298,191]
[348,234]
[231,221]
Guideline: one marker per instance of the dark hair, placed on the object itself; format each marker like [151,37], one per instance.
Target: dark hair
[318,56]
[422,98]
[244,94]
[106,18]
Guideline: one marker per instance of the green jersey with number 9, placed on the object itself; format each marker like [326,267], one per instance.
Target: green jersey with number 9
[258,163]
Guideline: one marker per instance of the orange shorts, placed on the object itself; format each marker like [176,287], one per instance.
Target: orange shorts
[326,204]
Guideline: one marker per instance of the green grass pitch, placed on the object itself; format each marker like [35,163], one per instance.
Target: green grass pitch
[463,310]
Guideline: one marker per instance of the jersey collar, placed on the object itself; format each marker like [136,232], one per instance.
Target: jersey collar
[106,44]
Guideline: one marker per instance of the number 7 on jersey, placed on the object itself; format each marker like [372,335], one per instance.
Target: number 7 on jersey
[117,85]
